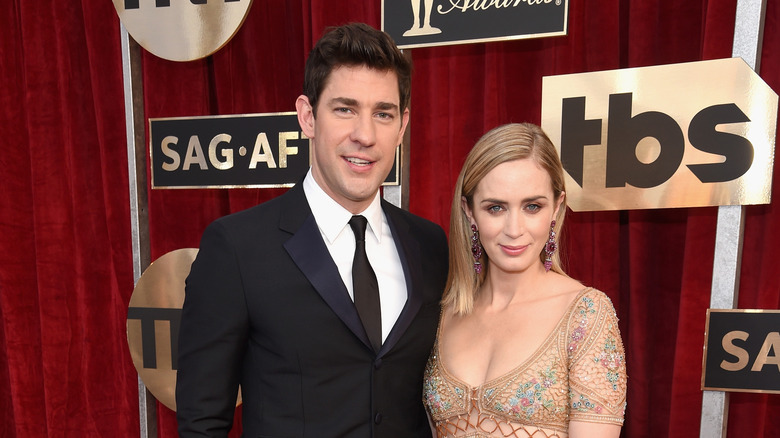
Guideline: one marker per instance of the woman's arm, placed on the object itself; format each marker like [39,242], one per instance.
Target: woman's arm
[584,429]
[430,423]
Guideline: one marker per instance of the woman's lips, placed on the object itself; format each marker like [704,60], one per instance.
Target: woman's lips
[513,250]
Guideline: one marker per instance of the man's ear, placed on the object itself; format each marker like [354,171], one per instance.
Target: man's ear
[404,125]
[305,115]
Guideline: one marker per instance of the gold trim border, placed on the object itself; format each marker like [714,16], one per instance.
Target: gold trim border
[563,32]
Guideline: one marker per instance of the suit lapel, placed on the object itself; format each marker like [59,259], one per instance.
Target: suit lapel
[312,257]
[409,252]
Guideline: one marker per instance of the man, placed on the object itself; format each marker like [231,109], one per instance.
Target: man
[271,302]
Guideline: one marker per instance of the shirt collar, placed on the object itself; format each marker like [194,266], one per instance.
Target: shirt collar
[332,218]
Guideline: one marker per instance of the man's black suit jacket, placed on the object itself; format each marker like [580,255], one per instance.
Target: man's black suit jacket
[265,307]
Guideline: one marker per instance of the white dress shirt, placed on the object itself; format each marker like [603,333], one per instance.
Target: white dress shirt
[333,222]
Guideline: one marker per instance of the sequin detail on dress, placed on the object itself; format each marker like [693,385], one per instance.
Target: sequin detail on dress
[578,373]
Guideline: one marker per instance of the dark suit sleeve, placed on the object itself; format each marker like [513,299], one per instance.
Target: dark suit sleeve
[212,338]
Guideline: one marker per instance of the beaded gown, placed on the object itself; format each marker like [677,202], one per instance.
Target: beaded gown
[578,373]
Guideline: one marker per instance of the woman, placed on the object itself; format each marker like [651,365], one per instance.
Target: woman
[523,350]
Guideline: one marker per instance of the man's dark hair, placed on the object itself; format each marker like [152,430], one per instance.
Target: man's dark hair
[355,44]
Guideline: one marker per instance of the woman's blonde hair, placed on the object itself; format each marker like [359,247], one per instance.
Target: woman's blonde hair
[505,143]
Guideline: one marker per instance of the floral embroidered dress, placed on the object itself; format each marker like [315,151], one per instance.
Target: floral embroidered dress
[578,373]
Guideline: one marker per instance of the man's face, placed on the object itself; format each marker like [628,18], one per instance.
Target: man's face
[358,126]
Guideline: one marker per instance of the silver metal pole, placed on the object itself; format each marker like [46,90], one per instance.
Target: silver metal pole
[748,36]
[139,217]
[724,294]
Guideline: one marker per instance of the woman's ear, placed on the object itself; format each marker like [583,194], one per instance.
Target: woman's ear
[464,205]
[558,205]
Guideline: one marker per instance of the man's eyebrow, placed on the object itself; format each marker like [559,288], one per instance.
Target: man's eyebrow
[343,101]
[385,106]
[348,101]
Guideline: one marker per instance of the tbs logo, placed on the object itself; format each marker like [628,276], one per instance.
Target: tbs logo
[681,135]
[182,30]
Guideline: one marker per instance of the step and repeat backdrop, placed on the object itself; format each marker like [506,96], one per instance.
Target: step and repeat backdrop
[681,135]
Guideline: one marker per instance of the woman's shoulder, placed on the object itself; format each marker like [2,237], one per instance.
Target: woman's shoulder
[598,298]
[591,292]
[567,288]
[588,301]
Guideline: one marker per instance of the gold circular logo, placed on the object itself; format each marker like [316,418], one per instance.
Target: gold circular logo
[153,318]
[182,30]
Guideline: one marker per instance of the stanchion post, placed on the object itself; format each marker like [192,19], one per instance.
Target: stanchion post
[748,36]
[139,216]
[725,291]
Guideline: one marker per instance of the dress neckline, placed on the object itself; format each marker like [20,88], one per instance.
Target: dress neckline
[523,364]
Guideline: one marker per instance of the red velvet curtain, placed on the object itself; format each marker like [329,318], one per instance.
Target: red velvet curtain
[65,257]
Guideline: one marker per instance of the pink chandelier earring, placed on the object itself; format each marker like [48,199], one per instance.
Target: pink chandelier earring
[476,249]
[549,248]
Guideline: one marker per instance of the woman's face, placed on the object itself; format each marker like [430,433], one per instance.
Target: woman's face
[512,208]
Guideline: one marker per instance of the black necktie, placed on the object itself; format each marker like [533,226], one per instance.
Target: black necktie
[365,286]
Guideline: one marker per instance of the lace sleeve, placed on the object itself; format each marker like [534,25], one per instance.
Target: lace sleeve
[597,367]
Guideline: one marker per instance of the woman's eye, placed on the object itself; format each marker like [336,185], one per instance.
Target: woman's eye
[533,207]
[494,208]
